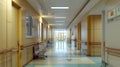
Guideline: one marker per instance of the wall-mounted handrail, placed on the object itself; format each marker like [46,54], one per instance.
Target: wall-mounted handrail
[91,43]
[113,48]
[113,51]
[27,45]
[30,45]
[8,50]
[95,43]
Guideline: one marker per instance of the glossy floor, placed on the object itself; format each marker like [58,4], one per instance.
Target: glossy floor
[62,54]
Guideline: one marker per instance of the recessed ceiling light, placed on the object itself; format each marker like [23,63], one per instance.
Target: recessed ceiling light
[60,21]
[60,17]
[47,16]
[55,24]
[59,7]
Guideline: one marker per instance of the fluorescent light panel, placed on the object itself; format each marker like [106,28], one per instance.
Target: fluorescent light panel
[60,17]
[60,21]
[55,24]
[59,7]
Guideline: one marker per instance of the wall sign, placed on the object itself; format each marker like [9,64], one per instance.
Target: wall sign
[29,26]
[111,14]
[118,11]
[114,13]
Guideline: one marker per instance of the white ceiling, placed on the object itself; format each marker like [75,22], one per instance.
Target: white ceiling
[44,7]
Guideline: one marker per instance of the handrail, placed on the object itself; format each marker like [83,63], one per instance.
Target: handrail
[113,48]
[30,45]
[113,51]
[27,45]
[95,43]
[91,43]
[16,49]
[8,50]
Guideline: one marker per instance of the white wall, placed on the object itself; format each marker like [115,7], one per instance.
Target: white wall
[84,30]
[112,34]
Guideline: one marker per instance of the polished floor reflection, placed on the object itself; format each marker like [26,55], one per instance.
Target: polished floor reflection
[62,54]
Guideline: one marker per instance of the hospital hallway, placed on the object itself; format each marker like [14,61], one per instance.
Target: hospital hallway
[59,33]
[63,54]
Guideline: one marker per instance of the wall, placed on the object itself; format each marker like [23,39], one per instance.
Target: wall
[26,8]
[84,30]
[74,32]
[69,36]
[2,30]
[45,32]
[6,18]
[112,35]
[50,33]
[84,36]
[96,10]
[2,24]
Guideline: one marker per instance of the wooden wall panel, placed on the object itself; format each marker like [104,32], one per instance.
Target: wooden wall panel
[27,54]
[47,33]
[42,33]
[79,36]
[94,35]
[2,24]
[12,34]
[24,56]
[2,31]
[8,34]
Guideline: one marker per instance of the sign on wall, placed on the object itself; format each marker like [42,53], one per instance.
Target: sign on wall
[29,26]
[111,14]
[114,13]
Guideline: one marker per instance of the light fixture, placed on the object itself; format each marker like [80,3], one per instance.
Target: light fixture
[47,16]
[40,19]
[60,17]
[59,7]
[60,21]
[55,24]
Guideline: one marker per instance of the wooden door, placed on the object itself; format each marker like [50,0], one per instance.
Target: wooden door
[94,35]
[2,32]
[13,36]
